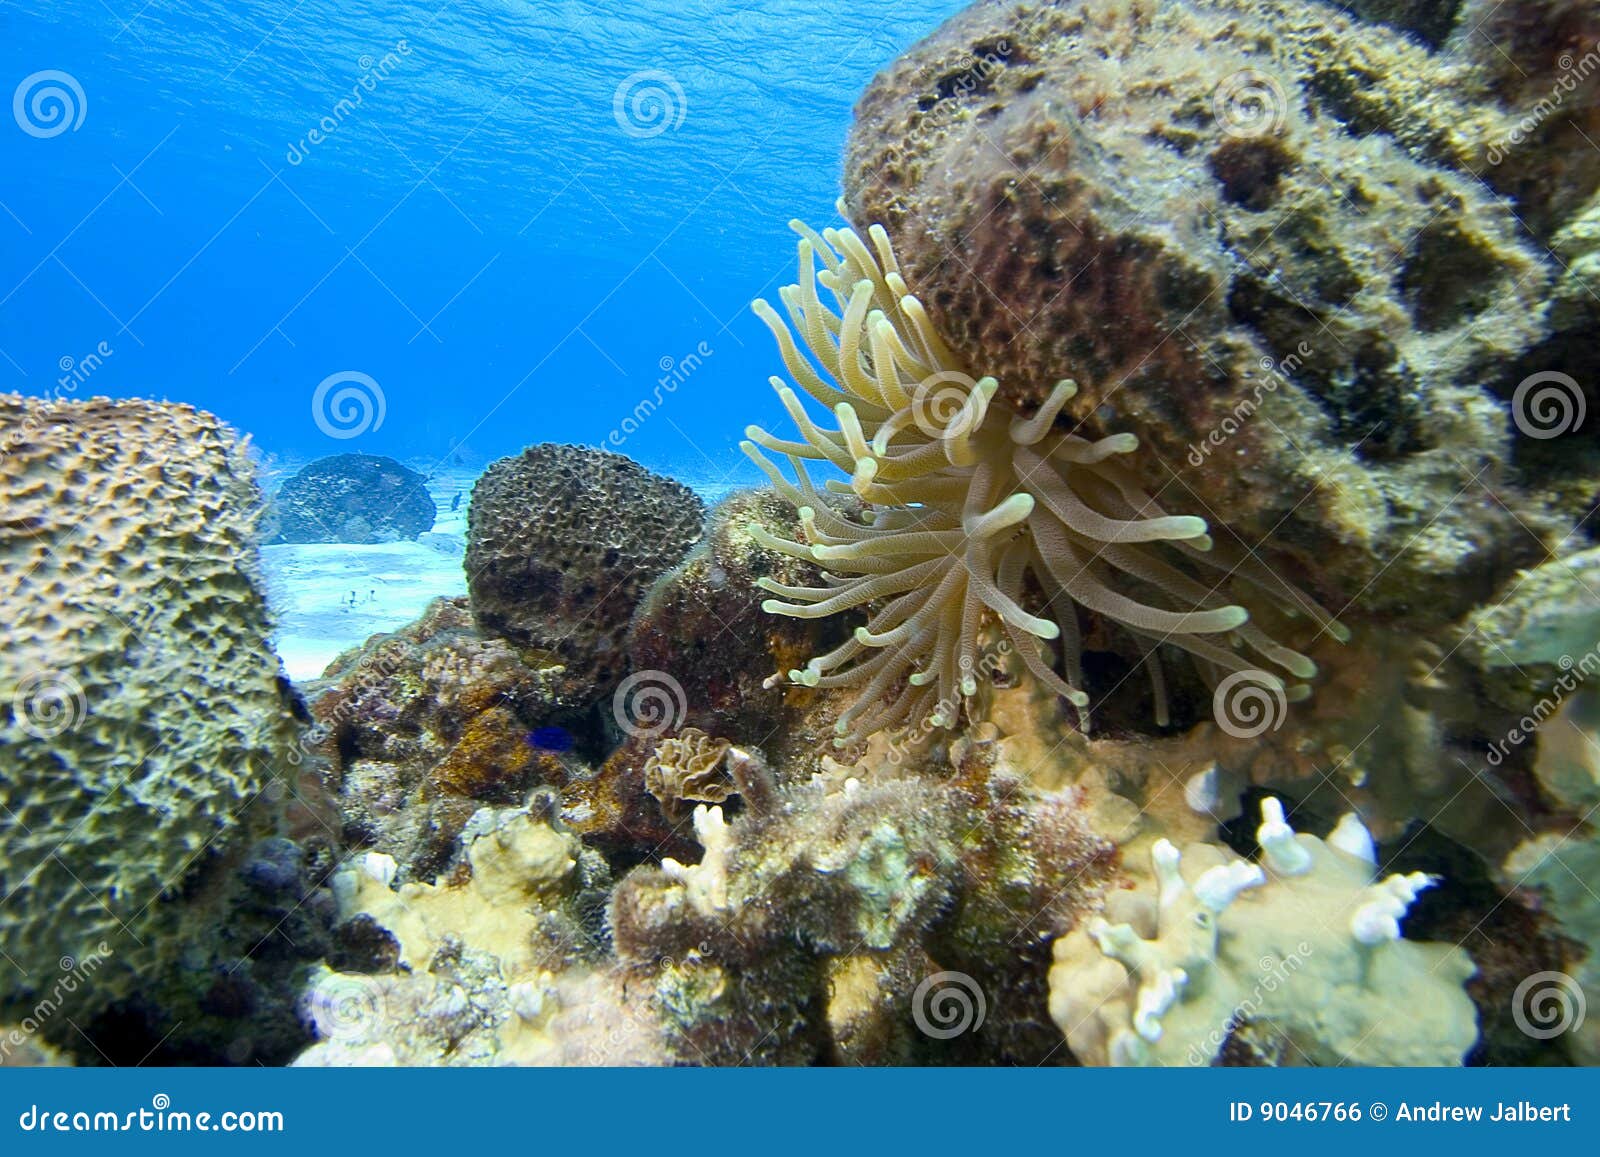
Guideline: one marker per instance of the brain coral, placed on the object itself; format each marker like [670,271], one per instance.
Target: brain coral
[562,543]
[354,498]
[1272,240]
[141,710]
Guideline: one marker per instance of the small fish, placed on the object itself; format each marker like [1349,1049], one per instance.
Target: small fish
[455,503]
[557,739]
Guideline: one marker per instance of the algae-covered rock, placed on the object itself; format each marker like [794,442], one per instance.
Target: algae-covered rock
[1259,236]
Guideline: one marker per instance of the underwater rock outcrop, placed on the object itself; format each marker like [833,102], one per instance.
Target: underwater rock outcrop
[144,728]
[1265,238]
[562,543]
[702,623]
[418,729]
[823,922]
[356,498]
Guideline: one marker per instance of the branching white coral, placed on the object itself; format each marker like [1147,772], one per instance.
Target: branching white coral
[1300,956]
[975,516]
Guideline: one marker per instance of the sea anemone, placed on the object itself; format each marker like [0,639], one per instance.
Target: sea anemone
[970,520]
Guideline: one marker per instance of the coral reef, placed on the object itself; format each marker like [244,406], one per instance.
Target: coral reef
[144,720]
[359,498]
[562,543]
[1269,239]
[418,729]
[969,506]
[493,967]
[702,623]
[1559,865]
[1299,958]
[810,927]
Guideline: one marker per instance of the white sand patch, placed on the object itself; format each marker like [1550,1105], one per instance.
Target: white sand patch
[329,597]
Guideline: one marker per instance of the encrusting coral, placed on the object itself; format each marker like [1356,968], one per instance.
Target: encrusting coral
[968,503]
[1299,958]
[688,768]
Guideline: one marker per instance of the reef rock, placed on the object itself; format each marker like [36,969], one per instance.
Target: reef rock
[562,542]
[1299,959]
[417,730]
[1266,238]
[702,624]
[359,498]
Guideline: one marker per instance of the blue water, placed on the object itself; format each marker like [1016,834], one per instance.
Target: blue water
[505,230]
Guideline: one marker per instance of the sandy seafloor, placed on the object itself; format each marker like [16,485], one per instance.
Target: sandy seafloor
[329,597]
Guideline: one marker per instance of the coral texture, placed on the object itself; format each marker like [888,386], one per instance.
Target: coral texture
[418,729]
[360,498]
[702,623]
[479,970]
[970,506]
[141,711]
[688,768]
[562,543]
[1270,240]
[1298,959]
